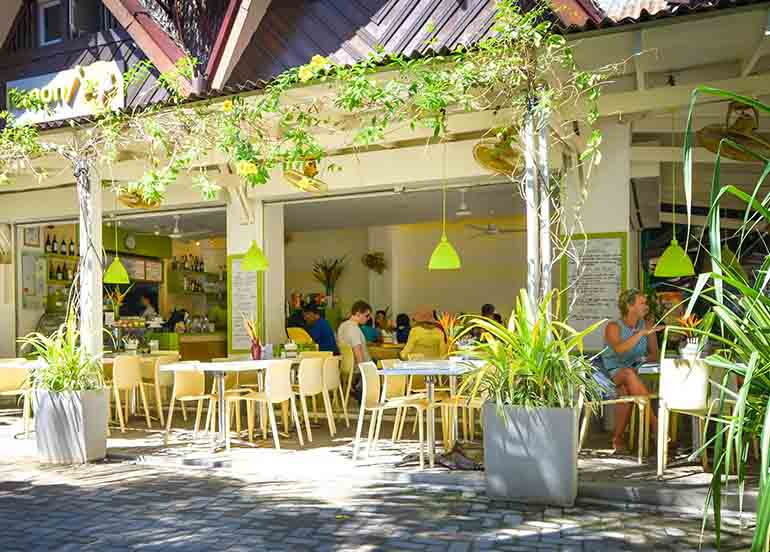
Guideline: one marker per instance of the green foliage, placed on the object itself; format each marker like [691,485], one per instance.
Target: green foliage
[534,361]
[328,271]
[64,365]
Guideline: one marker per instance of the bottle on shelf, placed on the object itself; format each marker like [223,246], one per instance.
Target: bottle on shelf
[54,245]
[51,272]
[173,263]
[70,273]
[72,248]
[59,275]
[47,243]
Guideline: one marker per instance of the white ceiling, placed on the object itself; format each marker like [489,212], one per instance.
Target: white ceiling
[406,208]
[211,223]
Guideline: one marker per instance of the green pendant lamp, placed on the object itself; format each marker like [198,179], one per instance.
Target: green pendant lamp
[674,263]
[445,256]
[254,260]
[116,273]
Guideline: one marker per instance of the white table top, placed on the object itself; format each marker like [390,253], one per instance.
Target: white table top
[230,366]
[429,368]
[649,368]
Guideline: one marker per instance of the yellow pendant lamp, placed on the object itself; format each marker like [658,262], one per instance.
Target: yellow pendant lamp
[254,260]
[445,256]
[116,273]
[674,263]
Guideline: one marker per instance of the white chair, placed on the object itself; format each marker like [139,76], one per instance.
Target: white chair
[153,377]
[333,384]
[189,386]
[347,367]
[315,354]
[127,376]
[376,404]
[311,384]
[277,390]
[14,382]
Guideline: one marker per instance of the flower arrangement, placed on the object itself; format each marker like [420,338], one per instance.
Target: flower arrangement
[375,261]
[452,328]
[689,325]
[253,330]
[117,298]
[327,272]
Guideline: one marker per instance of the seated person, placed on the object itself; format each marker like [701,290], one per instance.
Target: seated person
[319,329]
[296,319]
[381,321]
[403,325]
[630,342]
[371,333]
[425,337]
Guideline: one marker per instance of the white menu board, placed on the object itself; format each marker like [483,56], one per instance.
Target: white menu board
[134,267]
[243,298]
[153,271]
[594,285]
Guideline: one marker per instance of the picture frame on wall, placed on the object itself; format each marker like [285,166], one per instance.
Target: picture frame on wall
[32,236]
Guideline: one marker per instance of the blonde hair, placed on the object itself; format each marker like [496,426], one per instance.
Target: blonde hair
[626,299]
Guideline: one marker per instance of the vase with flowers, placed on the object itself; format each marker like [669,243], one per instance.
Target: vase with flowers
[253,331]
[117,298]
[327,272]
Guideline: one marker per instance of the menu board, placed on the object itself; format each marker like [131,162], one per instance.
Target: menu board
[134,267]
[594,284]
[243,298]
[153,271]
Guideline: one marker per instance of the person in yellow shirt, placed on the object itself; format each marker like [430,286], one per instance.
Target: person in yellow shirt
[426,337]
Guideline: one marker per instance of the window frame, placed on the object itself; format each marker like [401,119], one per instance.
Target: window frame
[42,5]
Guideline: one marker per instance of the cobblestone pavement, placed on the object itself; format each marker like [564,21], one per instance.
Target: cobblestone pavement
[124,506]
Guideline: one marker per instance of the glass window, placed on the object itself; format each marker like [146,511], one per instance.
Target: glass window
[51,21]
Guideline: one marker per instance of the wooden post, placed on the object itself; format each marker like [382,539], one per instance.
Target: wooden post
[91,262]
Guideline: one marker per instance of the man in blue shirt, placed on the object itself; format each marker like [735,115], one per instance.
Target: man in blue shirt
[319,329]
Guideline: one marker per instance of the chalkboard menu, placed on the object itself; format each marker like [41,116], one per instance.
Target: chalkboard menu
[243,298]
[594,283]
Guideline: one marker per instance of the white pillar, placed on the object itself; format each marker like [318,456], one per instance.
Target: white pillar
[275,278]
[7,294]
[544,177]
[91,259]
[532,206]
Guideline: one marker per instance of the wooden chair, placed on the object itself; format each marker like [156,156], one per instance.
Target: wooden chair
[14,382]
[311,384]
[333,383]
[277,390]
[153,377]
[639,411]
[127,376]
[189,386]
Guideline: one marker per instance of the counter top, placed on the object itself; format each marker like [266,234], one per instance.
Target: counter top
[202,337]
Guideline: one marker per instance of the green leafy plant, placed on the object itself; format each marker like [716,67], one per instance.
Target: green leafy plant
[327,271]
[534,361]
[64,365]
[375,261]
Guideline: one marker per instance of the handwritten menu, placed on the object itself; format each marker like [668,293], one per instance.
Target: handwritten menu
[242,299]
[595,284]
[134,267]
[153,271]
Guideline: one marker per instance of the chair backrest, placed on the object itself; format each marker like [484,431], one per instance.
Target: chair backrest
[348,363]
[127,371]
[299,336]
[370,381]
[395,386]
[311,381]
[189,383]
[315,354]
[13,375]
[278,381]
[416,356]
[332,379]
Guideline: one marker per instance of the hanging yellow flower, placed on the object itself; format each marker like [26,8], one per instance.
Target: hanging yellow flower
[306,73]
[227,106]
[246,168]
[319,62]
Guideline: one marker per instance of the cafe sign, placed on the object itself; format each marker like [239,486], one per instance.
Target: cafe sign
[76,92]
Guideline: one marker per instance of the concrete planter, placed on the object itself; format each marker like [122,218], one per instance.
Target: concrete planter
[530,455]
[71,427]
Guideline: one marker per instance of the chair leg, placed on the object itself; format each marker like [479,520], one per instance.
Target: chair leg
[159,404]
[285,416]
[422,438]
[315,409]
[307,420]
[472,423]
[632,429]
[198,414]
[273,426]
[210,416]
[213,414]
[263,407]
[227,424]
[584,427]
[344,408]
[128,405]
[347,390]
[237,408]
[329,413]
[170,411]
[250,419]
[296,420]
[640,453]
[184,410]
[359,429]
[377,430]
[662,436]
[120,410]
[396,421]
[146,407]
[372,426]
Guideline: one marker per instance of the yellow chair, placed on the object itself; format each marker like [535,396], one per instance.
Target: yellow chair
[299,336]
[347,367]
[189,386]
[311,384]
[127,376]
[333,383]
[277,390]
[153,377]
[14,381]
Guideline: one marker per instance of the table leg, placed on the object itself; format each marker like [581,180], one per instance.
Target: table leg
[431,422]
[222,406]
[455,411]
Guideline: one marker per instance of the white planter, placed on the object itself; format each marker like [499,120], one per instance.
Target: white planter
[684,384]
[530,455]
[71,427]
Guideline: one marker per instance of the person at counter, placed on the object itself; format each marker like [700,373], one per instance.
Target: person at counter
[319,329]
[148,312]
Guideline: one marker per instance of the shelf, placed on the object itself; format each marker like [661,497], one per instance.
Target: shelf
[192,272]
[63,283]
[58,257]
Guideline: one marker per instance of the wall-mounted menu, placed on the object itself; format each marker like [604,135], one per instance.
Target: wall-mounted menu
[153,271]
[242,299]
[134,267]
[594,283]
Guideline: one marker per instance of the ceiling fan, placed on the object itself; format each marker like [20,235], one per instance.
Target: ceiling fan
[491,229]
[741,124]
[174,232]
[462,209]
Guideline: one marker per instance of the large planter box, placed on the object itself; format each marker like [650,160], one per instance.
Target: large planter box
[530,455]
[684,384]
[71,427]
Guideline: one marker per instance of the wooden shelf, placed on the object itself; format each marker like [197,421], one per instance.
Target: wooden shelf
[58,257]
[63,283]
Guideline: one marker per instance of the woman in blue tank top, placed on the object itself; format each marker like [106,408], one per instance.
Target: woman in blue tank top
[630,341]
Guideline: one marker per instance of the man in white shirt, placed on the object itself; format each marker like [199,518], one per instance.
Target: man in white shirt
[349,332]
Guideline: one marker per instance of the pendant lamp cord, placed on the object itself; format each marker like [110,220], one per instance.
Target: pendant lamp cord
[673,171]
[443,179]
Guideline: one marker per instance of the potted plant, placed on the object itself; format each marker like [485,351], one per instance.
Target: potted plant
[327,272]
[534,377]
[69,397]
